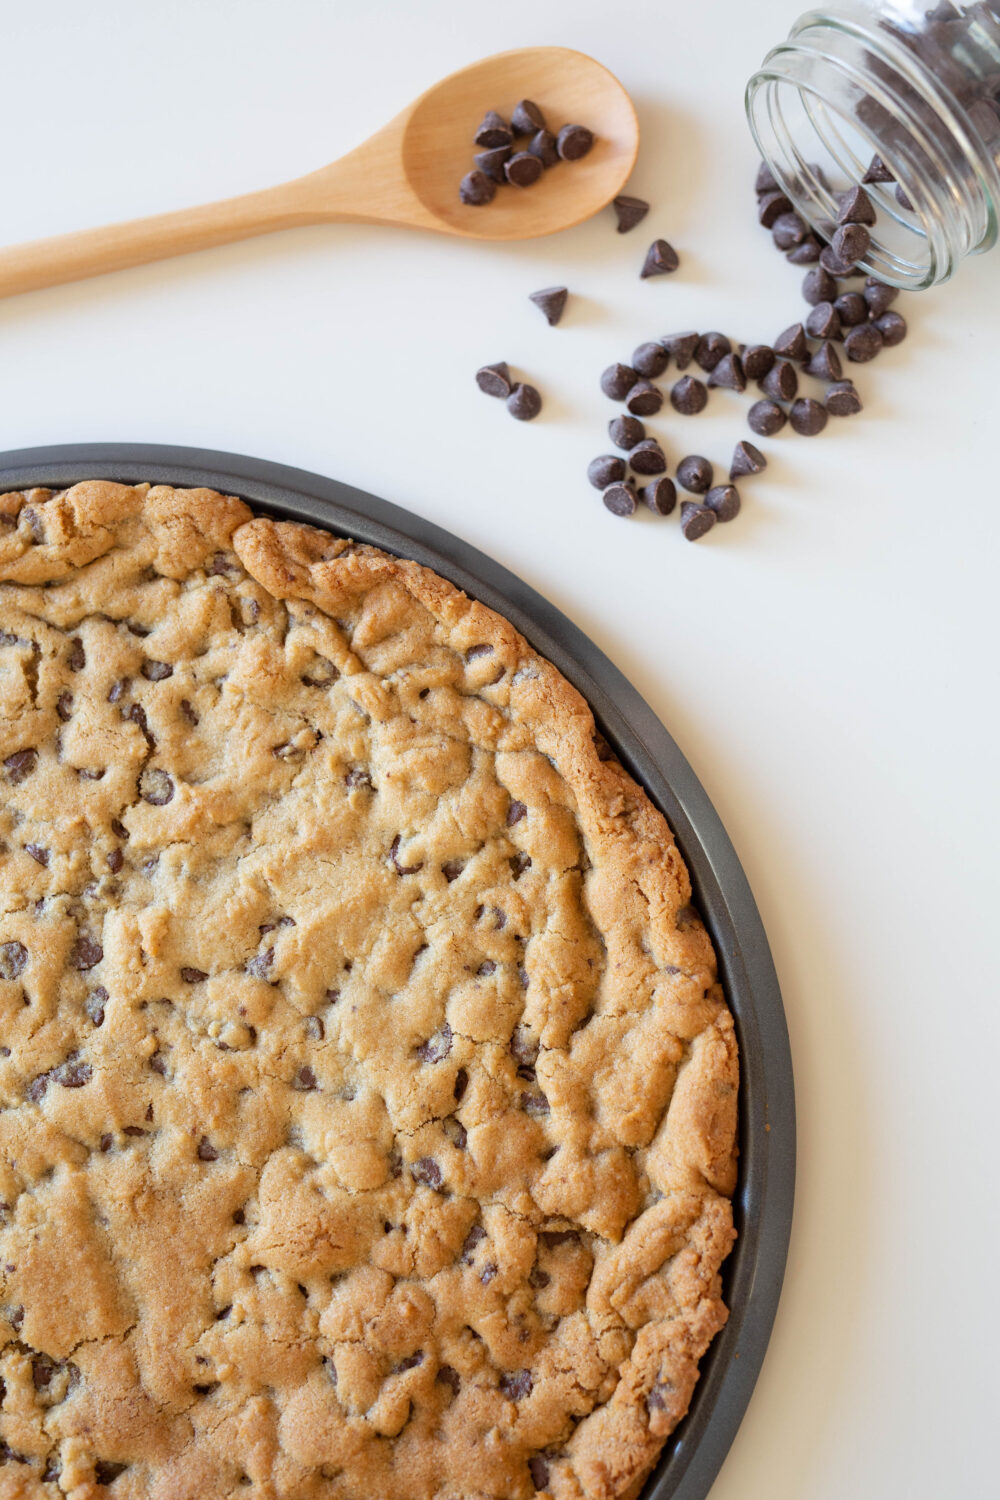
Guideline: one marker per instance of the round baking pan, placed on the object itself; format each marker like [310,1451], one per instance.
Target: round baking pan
[763,1203]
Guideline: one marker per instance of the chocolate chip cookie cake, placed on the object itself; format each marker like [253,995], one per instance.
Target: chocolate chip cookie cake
[367,1097]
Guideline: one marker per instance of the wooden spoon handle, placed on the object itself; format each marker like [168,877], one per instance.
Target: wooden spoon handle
[91,252]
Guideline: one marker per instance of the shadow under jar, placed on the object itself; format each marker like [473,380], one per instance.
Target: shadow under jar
[917,87]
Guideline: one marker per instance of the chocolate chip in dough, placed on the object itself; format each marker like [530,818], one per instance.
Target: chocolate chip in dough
[807,417]
[650,359]
[746,460]
[724,499]
[494,131]
[625,432]
[644,399]
[688,396]
[660,495]
[475,189]
[524,402]
[543,145]
[696,520]
[842,400]
[694,474]
[629,212]
[765,418]
[495,380]
[617,380]
[551,301]
[492,162]
[523,169]
[661,259]
[647,457]
[620,499]
[605,470]
[527,118]
[574,141]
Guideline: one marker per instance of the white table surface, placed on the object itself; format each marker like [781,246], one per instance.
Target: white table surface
[827,663]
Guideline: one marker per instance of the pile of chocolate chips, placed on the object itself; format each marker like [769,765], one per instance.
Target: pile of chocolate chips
[845,319]
[498,162]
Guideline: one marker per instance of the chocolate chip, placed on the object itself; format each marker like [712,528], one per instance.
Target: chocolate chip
[842,400]
[851,309]
[455,1131]
[85,954]
[402,869]
[660,495]
[877,171]
[766,418]
[791,343]
[551,301]
[574,141]
[862,343]
[539,1278]
[427,1171]
[535,1103]
[95,1003]
[625,432]
[358,776]
[757,360]
[647,458]
[449,1376]
[72,1074]
[77,659]
[118,689]
[661,259]
[452,869]
[851,243]
[617,380]
[724,499]
[188,712]
[156,671]
[650,359]
[493,131]
[64,706]
[782,382]
[770,207]
[206,1151]
[437,1046]
[694,474]
[523,169]
[193,976]
[696,520]
[20,765]
[892,327]
[831,261]
[517,810]
[524,402]
[539,1470]
[526,118]
[746,460]
[493,162]
[644,399]
[461,1084]
[688,396]
[516,1384]
[856,208]
[155,787]
[629,211]
[788,230]
[806,253]
[608,469]
[711,347]
[818,286]
[258,966]
[38,854]
[115,861]
[13,960]
[729,374]
[543,145]
[305,1080]
[878,296]
[902,199]
[619,499]
[807,417]
[825,363]
[476,188]
[824,321]
[681,347]
[766,180]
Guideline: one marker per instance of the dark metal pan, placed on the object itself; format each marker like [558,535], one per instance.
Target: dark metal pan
[763,1203]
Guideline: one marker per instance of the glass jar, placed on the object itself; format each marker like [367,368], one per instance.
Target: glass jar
[918,88]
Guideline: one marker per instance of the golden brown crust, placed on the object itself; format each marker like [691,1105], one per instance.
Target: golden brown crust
[368,1078]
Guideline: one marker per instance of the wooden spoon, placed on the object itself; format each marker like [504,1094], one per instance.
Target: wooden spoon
[408,174]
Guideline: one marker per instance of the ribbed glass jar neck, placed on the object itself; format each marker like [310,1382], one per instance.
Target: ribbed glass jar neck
[843,89]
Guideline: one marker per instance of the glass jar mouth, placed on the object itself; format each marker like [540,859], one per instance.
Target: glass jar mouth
[806,109]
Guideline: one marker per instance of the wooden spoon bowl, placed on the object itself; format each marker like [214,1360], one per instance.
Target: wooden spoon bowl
[407,174]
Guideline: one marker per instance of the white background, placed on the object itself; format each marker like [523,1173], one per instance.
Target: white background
[827,662]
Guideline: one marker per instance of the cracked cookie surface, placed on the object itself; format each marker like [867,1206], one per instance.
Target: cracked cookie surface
[367,1097]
